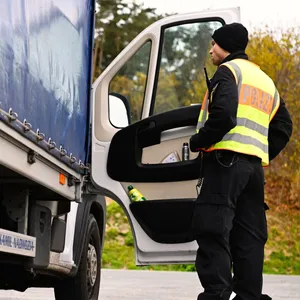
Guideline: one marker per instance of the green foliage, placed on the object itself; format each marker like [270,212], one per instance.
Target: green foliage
[130,82]
[282,253]
[118,22]
[282,264]
[277,52]
[184,56]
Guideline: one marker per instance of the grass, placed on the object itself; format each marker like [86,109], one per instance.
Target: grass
[282,253]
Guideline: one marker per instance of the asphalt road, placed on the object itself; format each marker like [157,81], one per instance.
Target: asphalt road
[152,285]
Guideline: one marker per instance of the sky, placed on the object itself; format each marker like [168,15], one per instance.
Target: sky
[254,13]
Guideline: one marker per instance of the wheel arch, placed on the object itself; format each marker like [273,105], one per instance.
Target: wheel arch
[91,204]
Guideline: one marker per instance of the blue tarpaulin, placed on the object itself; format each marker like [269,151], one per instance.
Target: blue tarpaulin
[45,67]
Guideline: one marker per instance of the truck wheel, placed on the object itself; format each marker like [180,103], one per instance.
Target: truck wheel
[86,283]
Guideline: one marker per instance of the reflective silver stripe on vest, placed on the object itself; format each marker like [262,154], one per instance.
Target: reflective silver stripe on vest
[237,137]
[276,100]
[238,73]
[204,117]
[252,125]
[200,125]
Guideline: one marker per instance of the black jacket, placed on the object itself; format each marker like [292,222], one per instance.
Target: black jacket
[223,111]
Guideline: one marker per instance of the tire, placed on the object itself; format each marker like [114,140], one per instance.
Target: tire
[86,283]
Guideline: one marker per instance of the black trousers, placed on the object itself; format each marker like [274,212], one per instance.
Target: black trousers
[230,226]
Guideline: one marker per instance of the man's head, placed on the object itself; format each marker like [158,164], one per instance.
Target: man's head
[228,39]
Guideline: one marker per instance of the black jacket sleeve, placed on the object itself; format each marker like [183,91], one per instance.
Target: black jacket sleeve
[222,111]
[280,130]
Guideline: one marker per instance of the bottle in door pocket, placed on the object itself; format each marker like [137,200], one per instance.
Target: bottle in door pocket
[185,152]
[135,195]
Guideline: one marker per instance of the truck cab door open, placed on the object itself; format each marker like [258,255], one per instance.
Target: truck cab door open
[142,113]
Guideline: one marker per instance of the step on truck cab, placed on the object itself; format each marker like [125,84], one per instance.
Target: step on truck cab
[67,143]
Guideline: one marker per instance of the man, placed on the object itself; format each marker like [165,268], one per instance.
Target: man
[243,124]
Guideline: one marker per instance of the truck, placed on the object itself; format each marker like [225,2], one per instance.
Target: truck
[67,143]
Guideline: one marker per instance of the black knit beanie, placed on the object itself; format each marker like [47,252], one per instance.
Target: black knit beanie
[231,37]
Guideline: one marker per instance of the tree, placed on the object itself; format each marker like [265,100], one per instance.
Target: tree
[117,23]
[277,52]
[185,54]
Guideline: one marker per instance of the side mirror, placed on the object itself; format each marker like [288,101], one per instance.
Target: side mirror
[119,110]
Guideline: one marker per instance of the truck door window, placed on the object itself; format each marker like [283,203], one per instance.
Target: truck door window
[130,82]
[185,51]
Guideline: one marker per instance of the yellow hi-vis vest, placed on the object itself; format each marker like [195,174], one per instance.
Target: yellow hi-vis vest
[258,103]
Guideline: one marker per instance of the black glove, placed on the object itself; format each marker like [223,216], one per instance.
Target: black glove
[194,143]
